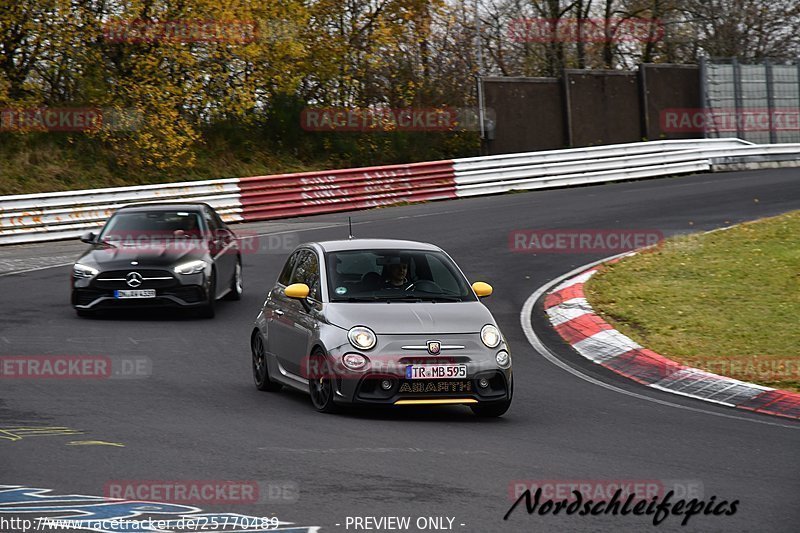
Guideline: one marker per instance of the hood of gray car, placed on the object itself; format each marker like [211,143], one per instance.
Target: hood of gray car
[411,317]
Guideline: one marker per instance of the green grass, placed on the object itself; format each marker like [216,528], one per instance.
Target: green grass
[727,302]
[67,162]
[43,162]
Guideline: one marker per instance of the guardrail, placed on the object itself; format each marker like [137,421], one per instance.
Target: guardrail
[52,216]
[480,176]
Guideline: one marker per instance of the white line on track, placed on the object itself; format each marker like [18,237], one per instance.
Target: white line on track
[34,269]
[525,320]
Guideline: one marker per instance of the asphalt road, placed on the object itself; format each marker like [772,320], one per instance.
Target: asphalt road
[197,416]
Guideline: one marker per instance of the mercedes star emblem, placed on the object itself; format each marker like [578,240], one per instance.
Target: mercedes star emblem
[134,279]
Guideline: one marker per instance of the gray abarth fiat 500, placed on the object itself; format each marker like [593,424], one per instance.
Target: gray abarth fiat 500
[373,321]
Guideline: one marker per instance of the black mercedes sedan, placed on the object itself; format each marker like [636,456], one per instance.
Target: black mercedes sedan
[158,255]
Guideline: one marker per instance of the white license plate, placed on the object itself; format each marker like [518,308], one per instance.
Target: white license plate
[137,293]
[436,372]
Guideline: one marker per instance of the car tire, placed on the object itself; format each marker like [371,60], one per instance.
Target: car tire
[260,367]
[320,385]
[237,286]
[208,310]
[494,409]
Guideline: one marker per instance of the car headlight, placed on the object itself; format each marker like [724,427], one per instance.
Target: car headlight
[503,359]
[354,361]
[362,337]
[490,336]
[192,267]
[83,271]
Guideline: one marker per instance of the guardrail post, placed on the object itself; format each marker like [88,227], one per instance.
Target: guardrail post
[643,105]
[737,96]
[567,107]
[773,135]
[704,99]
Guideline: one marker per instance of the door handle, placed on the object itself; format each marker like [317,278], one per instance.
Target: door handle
[279,312]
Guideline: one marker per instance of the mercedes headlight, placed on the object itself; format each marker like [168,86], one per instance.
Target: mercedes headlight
[83,271]
[490,336]
[192,267]
[362,337]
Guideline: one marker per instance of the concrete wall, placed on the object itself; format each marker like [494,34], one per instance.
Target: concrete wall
[587,107]
[527,112]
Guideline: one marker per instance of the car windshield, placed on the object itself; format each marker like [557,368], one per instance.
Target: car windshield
[395,275]
[156,224]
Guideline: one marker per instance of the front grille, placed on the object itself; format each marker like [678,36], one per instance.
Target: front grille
[116,279]
[444,359]
[436,387]
[369,389]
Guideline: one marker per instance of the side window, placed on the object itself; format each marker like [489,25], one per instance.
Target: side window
[217,219]
[307,272]
[286,273]
[210,221]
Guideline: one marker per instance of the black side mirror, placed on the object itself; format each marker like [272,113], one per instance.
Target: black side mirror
[88,237]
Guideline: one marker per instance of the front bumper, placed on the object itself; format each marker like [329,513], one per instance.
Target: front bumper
[369,390]
[388,362]
[171,291]
[188,296]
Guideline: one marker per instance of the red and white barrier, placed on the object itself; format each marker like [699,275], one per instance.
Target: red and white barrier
[595,339]
[291,195]
[33,217]
[61,215]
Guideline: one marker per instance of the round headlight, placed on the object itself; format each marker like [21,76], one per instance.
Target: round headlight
[490,336]
[362,337]
[503,359]
[354,361]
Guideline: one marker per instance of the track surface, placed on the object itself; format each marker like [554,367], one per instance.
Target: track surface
[199,417]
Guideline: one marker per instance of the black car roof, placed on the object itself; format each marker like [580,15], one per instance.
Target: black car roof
[165,206]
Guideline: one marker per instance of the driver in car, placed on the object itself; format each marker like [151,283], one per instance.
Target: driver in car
[396,273]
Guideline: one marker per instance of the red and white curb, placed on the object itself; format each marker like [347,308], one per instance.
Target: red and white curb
[593,338]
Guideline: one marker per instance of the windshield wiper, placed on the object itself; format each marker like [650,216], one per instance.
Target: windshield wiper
[403,298]
[444,299]
[400,298]
[421,298]
[384,298]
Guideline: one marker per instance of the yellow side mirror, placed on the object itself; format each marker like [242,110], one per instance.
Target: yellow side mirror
[482,289]
[297,290]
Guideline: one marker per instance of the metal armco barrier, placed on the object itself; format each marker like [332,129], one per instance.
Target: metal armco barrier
[52,216]
[61,215]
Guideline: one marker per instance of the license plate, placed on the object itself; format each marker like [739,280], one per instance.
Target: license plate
[436,372]
[137,293]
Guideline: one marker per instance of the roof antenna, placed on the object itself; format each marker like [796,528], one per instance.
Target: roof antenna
[350,225]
